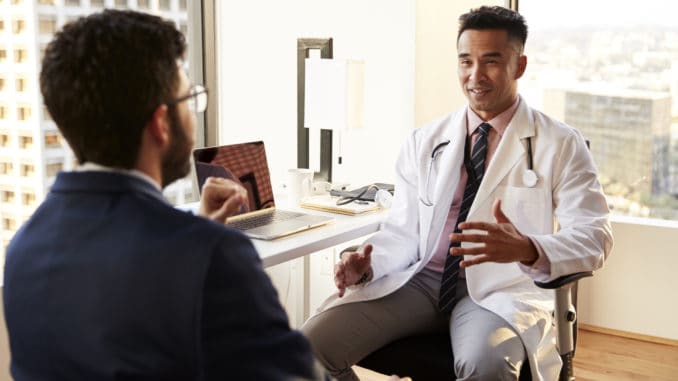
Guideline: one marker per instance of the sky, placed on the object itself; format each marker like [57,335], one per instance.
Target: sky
[559,13]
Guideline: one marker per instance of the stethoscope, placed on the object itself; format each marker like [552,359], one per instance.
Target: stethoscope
[530,177]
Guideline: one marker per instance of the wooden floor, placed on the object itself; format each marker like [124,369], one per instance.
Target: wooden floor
[603,357]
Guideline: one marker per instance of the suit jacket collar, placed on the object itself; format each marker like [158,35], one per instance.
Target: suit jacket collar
[104,182]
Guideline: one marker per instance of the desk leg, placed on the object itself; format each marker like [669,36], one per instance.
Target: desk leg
[307,289]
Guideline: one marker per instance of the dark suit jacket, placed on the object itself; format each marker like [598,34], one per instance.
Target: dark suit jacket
[107,281]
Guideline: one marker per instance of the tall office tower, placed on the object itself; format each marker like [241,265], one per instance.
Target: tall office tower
[629,132]
[31,149]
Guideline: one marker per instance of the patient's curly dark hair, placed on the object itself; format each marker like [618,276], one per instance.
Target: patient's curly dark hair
[102,78]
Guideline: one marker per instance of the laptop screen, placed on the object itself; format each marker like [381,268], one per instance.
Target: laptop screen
[244,163]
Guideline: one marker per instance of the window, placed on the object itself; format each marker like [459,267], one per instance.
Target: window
[9,223]
[20,55]
[47,25]
[6,168]
[53,169]
[28,199]
[616,81]
[27,170]
[182,5]
[26,142]
[23,112]
[21,84]
[18,26]
[7,196]
[52,140]
[27,112]
[165,5]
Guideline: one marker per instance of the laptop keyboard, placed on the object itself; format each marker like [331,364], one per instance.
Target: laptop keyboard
[263,219]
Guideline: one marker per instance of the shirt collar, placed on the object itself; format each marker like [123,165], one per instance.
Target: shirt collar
[499,123]
[89,166]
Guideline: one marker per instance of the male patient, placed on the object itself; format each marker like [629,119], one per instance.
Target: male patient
[107,281]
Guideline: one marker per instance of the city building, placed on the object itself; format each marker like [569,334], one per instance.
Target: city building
[31,149]
[629,132]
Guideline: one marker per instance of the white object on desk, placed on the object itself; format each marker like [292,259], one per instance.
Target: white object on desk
[327,203]
[299,184]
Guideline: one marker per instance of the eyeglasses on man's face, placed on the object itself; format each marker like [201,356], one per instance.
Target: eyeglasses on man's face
[196,98]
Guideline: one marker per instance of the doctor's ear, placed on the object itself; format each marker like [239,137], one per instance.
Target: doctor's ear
[522,65]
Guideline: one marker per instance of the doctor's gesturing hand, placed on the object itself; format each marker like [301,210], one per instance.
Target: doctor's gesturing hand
[503,242]
[354,268]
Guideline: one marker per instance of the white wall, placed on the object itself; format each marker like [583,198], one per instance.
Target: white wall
[257,63]
[636,289]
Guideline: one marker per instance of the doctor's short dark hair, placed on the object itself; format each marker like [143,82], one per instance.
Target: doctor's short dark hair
[102,78]
[495,17]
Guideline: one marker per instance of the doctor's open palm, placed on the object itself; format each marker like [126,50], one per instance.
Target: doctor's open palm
[352,267]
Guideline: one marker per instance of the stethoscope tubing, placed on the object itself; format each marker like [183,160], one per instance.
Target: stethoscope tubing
[529,172]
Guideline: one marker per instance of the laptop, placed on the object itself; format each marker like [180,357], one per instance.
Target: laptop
[246,164]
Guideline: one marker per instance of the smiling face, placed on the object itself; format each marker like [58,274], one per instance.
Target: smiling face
[489,67]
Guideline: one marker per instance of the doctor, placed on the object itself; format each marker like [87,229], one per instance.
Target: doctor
[535,170]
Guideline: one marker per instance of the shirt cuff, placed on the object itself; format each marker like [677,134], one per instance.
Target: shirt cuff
[541,266]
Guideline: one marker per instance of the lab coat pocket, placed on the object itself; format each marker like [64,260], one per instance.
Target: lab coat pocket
[526,207]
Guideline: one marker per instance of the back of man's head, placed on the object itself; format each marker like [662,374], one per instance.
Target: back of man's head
[495,17]
[102,78]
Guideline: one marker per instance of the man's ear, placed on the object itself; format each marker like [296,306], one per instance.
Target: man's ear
[158,127]
[522,65]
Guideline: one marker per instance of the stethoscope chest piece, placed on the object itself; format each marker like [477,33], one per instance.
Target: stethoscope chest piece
[529,178]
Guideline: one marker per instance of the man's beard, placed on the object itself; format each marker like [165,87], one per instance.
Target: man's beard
[176,163]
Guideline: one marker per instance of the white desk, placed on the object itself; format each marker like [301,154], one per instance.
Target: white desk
[344,228]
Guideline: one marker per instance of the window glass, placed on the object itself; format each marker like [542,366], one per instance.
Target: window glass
[32,149]
[18,26]
[47,25]
[615,79]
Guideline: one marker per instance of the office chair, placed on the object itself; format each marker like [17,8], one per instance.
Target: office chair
[429,356]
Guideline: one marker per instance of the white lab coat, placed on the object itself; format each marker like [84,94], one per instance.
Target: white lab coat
[567,190]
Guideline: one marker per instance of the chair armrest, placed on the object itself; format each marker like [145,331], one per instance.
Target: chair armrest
[563,280]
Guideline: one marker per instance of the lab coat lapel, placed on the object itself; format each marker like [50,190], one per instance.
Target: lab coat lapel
[511,149]
[447,178]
